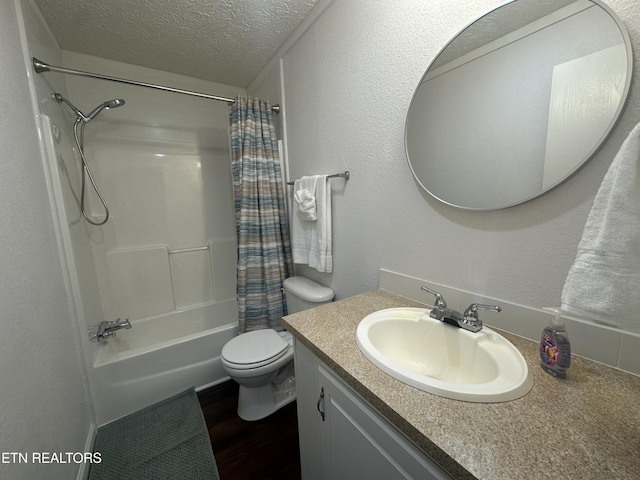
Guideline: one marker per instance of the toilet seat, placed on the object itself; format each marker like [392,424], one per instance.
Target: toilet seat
[254,349]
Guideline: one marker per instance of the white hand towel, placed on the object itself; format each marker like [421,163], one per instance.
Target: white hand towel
[311,241]
[305,197]
[603,285]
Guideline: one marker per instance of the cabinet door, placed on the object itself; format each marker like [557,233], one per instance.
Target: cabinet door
[307,391]
[359,443]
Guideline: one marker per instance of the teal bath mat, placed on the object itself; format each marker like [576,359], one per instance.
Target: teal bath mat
[165,441]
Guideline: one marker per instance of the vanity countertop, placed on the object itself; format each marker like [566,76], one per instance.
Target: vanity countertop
[584,427]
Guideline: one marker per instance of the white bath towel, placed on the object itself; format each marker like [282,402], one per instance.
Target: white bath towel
[305,197]
[603,285]
[311,241]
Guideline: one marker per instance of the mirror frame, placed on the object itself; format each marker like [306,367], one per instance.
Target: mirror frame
[603,138]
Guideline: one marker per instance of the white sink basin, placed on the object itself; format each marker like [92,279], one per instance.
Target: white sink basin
[442,359]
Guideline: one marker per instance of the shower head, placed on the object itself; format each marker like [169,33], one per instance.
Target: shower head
[117,102]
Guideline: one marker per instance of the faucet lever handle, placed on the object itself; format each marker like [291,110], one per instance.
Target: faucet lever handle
[440,303]
[470,320]
[123,323]
[472,311]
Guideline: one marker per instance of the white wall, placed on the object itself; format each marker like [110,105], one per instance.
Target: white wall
[42,395]
[348,81]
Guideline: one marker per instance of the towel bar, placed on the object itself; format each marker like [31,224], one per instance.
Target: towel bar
[344,175]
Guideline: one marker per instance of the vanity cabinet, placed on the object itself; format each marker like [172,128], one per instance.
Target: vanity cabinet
[343,437]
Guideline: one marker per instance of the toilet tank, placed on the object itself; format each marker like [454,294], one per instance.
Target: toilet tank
[302,293]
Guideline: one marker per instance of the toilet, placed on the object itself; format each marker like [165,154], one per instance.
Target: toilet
[261,361]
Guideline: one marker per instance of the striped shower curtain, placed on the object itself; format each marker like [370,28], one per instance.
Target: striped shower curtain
[264,249]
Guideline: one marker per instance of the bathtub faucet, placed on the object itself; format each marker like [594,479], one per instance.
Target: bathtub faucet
[103,330]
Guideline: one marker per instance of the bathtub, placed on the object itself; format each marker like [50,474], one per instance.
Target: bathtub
[159,357]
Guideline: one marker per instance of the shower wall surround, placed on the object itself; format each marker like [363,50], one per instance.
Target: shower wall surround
[166,257]
[162,164]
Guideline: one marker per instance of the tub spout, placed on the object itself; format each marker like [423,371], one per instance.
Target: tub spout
[103,330]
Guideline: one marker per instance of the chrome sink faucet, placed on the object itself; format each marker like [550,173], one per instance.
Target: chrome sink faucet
[469,320]
[103,330]
[440,310]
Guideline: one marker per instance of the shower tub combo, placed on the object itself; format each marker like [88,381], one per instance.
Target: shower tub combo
[178,327]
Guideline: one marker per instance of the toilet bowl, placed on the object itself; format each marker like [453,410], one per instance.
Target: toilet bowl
[261,361]
[258,362]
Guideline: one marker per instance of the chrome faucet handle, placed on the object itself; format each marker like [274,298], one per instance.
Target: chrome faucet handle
[440,303]
[123,323]
[472,310]
[106,329]
[470,319]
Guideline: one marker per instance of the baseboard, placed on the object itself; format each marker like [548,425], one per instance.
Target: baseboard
[83,472]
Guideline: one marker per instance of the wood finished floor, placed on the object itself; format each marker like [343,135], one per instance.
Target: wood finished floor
[263,450]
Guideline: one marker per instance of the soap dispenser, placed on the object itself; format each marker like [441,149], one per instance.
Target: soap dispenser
[555,349]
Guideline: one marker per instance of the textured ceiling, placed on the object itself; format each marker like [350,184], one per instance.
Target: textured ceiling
[225,41]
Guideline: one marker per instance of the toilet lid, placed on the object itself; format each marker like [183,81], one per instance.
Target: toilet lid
[256,348]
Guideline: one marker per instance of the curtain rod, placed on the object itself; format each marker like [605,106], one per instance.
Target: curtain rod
[41,67]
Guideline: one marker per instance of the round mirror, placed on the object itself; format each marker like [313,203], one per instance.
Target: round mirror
[517,102]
